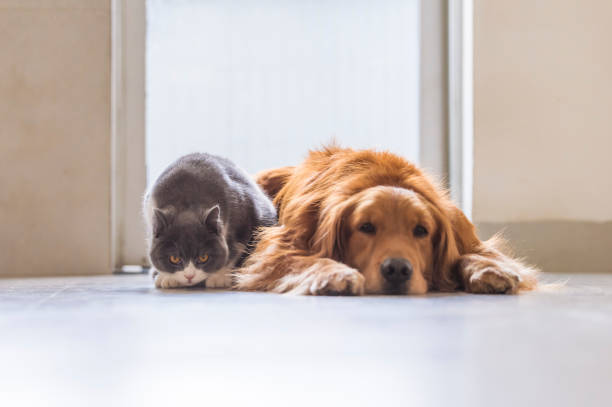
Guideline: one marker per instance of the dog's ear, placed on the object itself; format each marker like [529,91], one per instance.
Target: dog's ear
[455,236]
[331,235]
[445,251]
[272,181]
[463,230]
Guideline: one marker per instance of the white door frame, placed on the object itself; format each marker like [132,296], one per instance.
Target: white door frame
[445,115]
[128,177]
[460,103]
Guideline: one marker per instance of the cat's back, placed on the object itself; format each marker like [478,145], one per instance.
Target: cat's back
[191,179]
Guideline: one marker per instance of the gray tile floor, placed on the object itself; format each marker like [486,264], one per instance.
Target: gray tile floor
[115,341]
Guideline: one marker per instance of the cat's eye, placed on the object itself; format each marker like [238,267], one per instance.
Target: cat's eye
[420,231]
[203,258]
[175,260]
[367,228]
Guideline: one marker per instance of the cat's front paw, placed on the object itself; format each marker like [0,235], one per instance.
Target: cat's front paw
[219,279]
[165,280]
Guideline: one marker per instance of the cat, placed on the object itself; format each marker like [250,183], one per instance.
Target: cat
[201,215]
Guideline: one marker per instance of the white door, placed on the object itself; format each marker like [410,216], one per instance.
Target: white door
[261,82]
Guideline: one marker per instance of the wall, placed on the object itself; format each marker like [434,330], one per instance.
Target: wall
[542,128]
[54,137]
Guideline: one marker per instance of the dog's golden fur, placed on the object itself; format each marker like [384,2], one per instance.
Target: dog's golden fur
[319,248]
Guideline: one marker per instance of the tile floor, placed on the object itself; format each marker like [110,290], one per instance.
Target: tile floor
[116,341]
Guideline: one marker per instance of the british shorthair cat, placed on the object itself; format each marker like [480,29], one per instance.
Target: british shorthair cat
[201,215]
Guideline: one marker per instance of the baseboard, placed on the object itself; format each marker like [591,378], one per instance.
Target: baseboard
[38,273]
[558,246]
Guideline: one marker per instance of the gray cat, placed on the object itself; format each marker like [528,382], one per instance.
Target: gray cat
[201,214]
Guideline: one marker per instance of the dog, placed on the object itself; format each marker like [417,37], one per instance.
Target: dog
[366,222]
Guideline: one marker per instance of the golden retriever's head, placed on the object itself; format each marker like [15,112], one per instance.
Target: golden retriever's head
[398,240]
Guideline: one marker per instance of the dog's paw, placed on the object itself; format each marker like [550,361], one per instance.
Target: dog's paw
[340,281]
[165,280]
[492,280]
[219,279]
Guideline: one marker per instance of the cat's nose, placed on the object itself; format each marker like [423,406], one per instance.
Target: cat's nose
[189,278]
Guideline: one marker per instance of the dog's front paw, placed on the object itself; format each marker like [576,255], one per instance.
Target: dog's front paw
[219,279]
[339,281]
[492,280]
[165,280]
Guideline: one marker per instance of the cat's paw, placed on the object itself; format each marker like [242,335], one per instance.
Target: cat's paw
[219,279]
[165,280]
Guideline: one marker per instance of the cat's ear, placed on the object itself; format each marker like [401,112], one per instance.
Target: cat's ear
[162,218]
[212,219]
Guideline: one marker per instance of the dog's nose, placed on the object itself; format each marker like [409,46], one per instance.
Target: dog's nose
[396,270]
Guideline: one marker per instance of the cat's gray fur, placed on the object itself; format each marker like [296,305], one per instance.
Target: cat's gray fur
[202,205]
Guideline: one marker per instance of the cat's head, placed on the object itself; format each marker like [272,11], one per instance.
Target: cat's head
[188,244]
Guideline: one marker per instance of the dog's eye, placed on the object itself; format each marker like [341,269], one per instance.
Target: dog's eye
[367,228]
[420,231]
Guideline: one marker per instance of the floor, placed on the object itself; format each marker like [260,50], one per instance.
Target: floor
[116,341]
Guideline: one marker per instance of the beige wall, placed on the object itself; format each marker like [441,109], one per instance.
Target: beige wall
[55,137]
[543,110]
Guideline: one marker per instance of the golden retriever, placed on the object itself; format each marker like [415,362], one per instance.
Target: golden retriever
[354,222]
